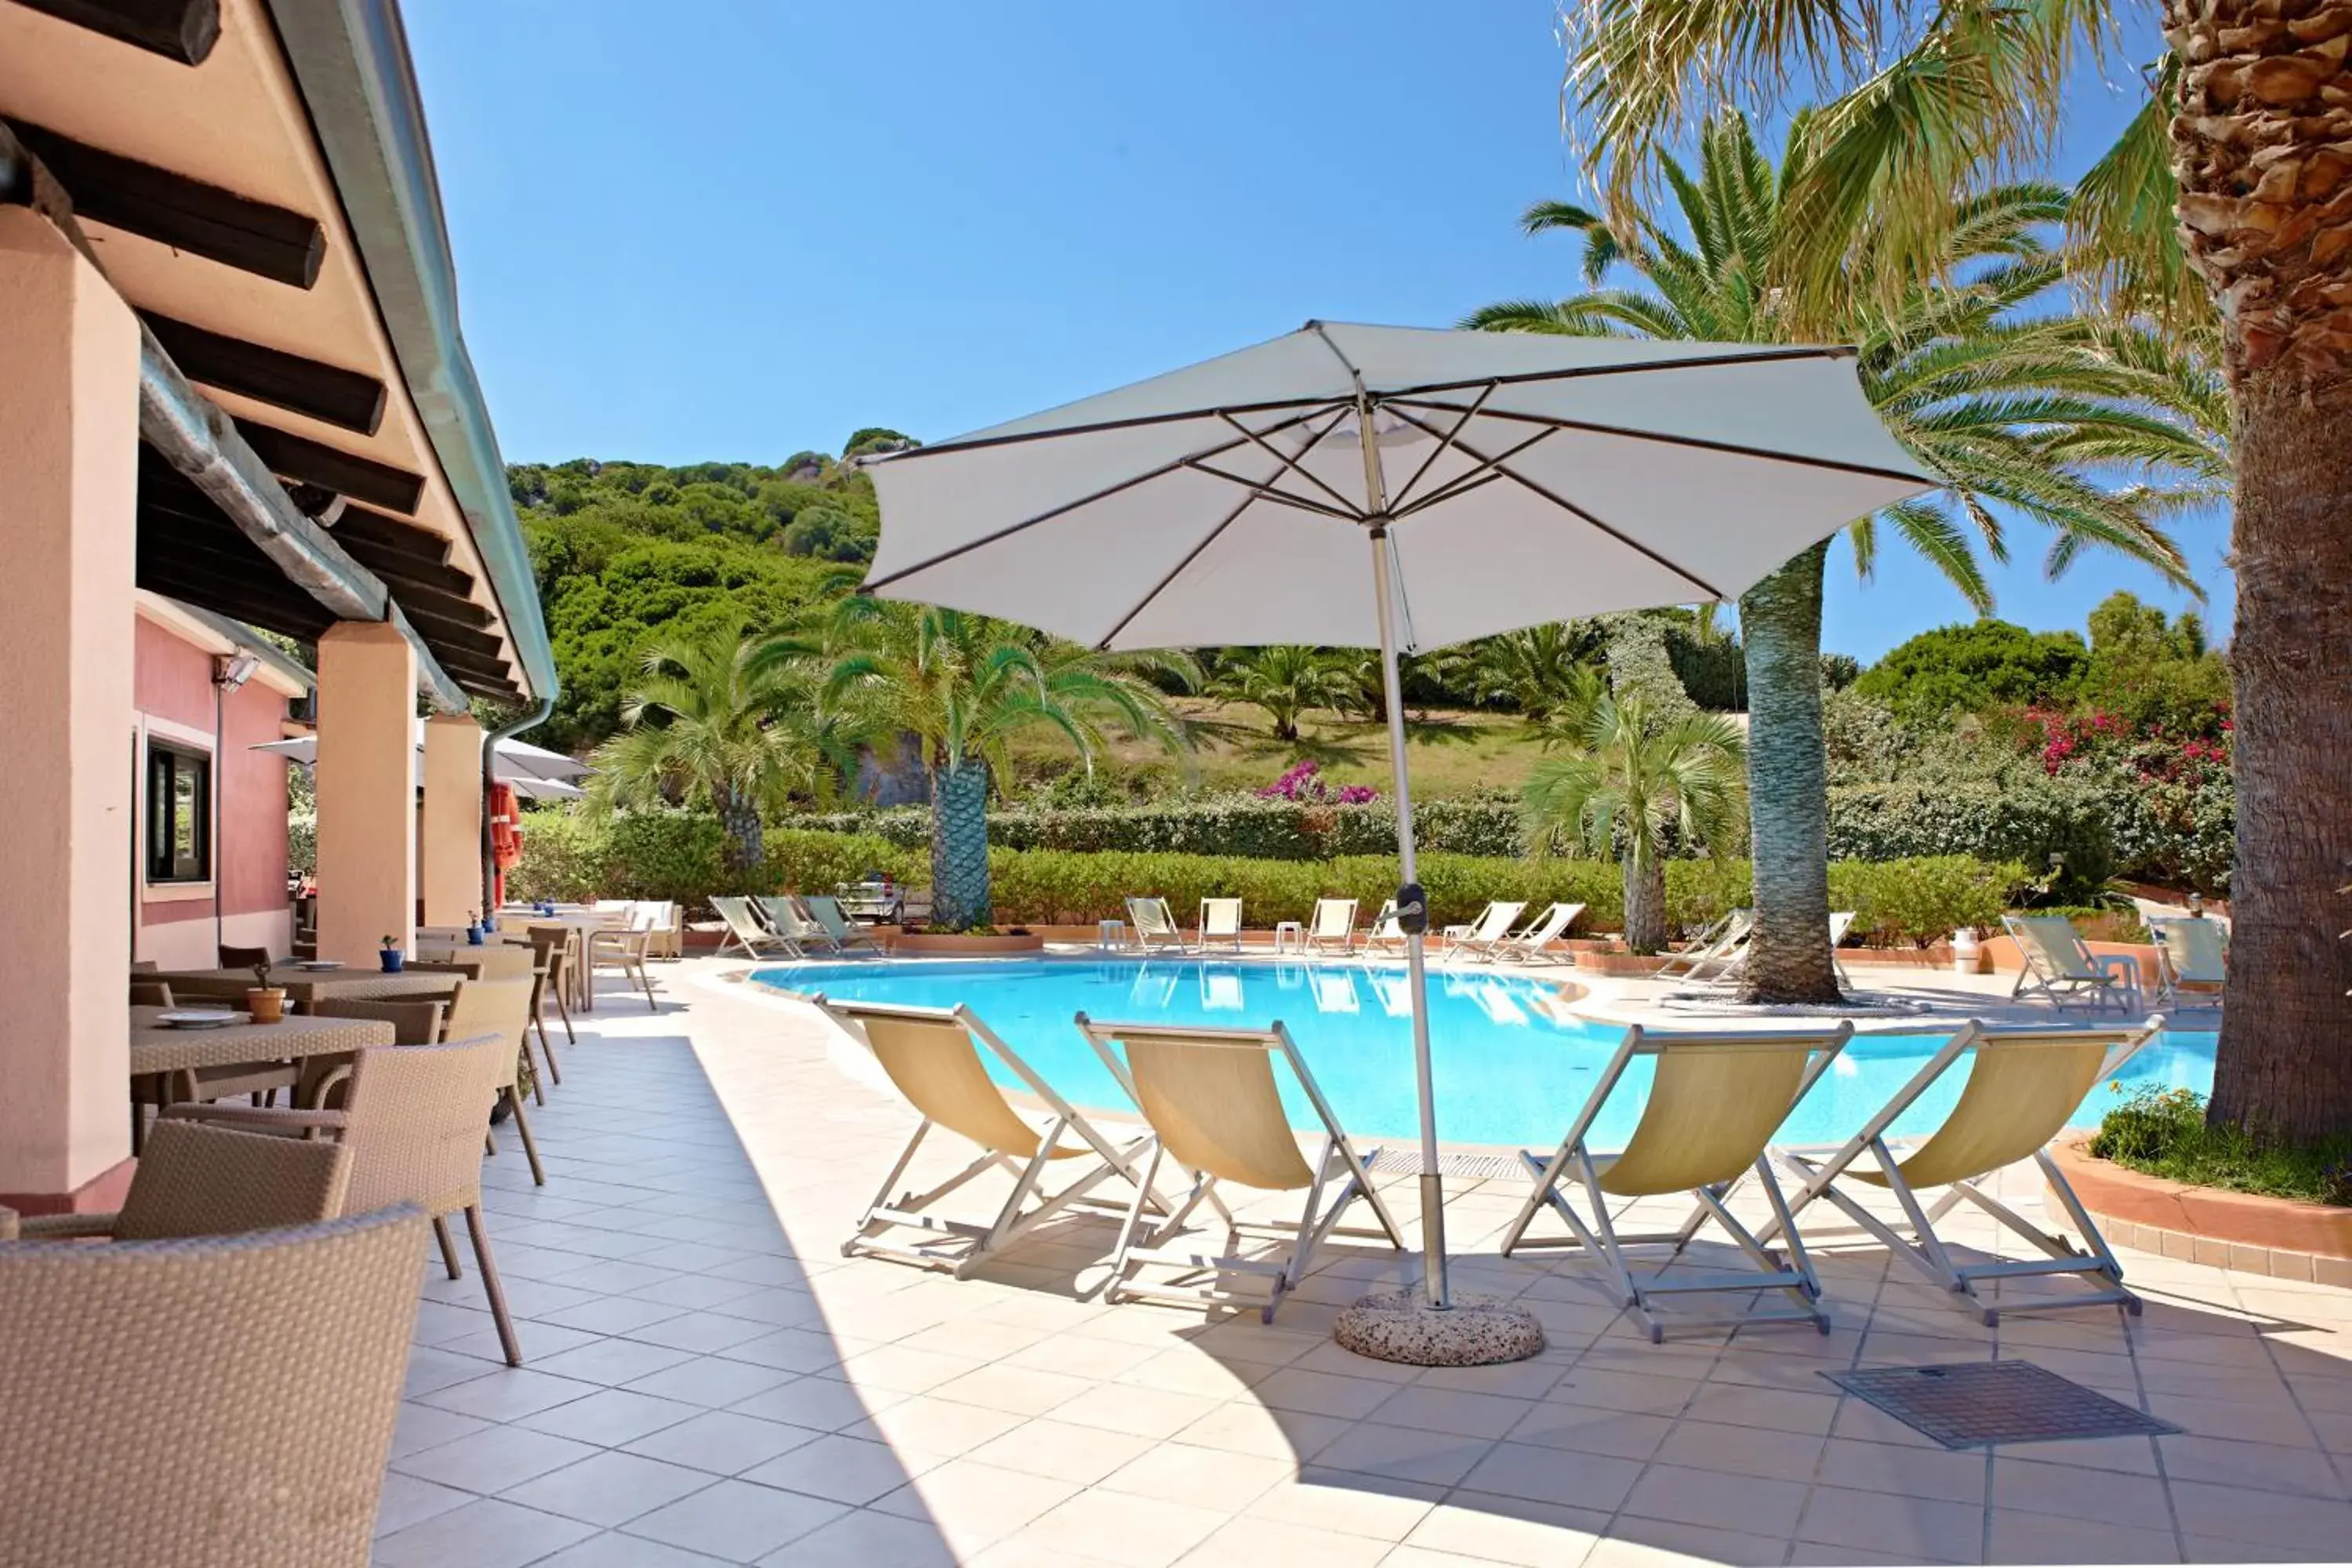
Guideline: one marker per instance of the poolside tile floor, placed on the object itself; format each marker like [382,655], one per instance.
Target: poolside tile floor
[711,1382]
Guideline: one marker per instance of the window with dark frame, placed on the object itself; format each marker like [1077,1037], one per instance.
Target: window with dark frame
[179,814]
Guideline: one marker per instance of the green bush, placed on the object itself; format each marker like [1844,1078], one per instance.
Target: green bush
[2163,1133]
[2026,822]
[302,843]
[1924,899]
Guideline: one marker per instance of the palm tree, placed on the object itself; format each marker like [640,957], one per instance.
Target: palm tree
[2025,413]
[1538,670]
[1633,787]
[965,687]
[1286,680]
[2216,209]
[716,721]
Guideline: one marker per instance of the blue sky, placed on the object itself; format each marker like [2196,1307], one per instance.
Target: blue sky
[738,228]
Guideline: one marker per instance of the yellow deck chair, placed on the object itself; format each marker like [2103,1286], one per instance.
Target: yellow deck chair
[1209,1097]
[2192,961]
[1221,922]
[1155,925]
[931,1055]
[2023,1085]
[2061,968]
[1487,932]
[1714,1105]
[1332,928]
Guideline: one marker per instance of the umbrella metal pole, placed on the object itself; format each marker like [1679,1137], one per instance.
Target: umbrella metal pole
[1432,1184]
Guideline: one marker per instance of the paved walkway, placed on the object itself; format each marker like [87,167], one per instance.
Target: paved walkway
[709,1381]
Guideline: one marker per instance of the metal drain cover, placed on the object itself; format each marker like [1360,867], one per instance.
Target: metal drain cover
[1974,1404]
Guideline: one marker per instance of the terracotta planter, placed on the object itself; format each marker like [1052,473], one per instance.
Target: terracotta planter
[267,1007]
[1936,957]
[2283,1237]
[951,946]
[1604,962]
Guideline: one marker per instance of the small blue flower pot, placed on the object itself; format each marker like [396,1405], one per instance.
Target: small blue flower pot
[490,922]
[473,936]
[392,958]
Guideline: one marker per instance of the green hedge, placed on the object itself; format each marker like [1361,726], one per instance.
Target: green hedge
[2026,822]
[677,856]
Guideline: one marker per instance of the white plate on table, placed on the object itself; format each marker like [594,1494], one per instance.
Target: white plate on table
[207,1018]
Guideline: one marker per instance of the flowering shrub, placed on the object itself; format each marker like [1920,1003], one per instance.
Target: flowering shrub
[1305,783]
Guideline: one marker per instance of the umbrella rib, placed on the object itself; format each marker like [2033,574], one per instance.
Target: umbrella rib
[1173,573]
[1313,405]
[1575,510]
[1396,502]
[1348,506]
[1461,482]
[1162,471]
[1585,373]
[1262,490]
[1698,442]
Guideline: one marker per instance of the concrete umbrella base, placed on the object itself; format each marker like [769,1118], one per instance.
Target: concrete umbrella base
[1402,1326]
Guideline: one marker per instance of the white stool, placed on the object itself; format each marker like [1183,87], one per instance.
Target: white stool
[1288,934]
[1110,935]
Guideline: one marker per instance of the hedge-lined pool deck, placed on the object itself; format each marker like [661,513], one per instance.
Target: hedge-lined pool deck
[711,1382]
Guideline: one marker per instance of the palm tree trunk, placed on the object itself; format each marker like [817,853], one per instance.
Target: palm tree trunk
[745,849]
[2283,1065]
[1788,788]
[1645,904]
[959,844]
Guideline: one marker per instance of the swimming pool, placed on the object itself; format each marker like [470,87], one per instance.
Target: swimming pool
[1512,1065]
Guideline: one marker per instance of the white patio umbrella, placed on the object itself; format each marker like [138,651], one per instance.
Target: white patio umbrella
[1392,488]
[531,769]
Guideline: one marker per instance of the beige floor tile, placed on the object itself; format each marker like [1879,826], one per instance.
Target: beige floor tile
[1588,1429]
[976,1505]
[611,1417]
[1661,1543]
[1210,1477]
[1645,1394]
[721,1442]
[406,1500]
[610,1488]
[1264,1543]
[1916,1529]
[1016,1390]
[494,1459]
[839,1470]
[1554,1476]
[897,1369]
[1189,1370]
[1078,1356]
[1323,1393]
[1245,1426]
[1717,1502]
[2261,1466]
[1741,1450]
[1060,1451]
[820,1404]
[2270,1518]
[866,1539]
[1457,1411]
[1517,1531]
[933,1427]
[1772,1409]
[485,1533]
[1905,1470]
[1138,1412]
[735,1520]
[2020,1483]
[1351,1505]
[1404,1453]
[2051,1538]
[1135,1532]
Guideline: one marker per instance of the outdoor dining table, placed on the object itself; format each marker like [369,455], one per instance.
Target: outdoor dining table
[302,987]
[582,988]
[156,1049]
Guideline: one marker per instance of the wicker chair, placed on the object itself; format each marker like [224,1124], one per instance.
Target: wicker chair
[195,1180]
[224,1402]
[242,957]
[551,950]
[481,1007]
[413,1023]
[412,1118]
[627,951]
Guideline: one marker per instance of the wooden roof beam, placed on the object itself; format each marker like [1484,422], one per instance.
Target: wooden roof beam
[181,30]
[347,399]
[311,462]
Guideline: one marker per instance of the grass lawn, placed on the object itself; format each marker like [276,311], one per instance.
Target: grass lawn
[1451,752]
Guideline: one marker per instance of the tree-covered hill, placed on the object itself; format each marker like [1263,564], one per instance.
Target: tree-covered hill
[625,550]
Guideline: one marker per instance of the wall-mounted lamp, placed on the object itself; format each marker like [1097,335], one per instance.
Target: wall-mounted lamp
[231,671]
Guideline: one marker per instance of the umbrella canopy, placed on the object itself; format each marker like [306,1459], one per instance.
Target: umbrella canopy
[519,762]
[1396,488]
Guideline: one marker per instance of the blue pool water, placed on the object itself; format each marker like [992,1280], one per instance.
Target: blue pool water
[1512,1065]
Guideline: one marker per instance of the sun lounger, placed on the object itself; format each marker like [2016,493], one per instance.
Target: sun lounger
[1713,949]
[1221,922]
[846,934]
[1487,932]
[1387,934]
[2023,1085]
[1735,963]
[1211,1100]
[789,927]
[1332,928]
[748,932]
[932,1056]
[2061,967]
[1155,925]
[1527,947]
[1713,1104]
[2192,961]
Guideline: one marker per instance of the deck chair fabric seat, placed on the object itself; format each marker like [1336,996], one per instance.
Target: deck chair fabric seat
[1332,927]
[1220,923]
[2192,961]
[746,932]
[2060,967]
[2023,1087]
[1715,948]
[845,933]
[1713,1104]
[1527,947]
[932,1056]
[1211,1100]
[1155,925]
[1386,932]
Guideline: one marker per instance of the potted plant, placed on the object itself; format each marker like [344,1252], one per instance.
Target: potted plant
[474,930]
[391,957]
[265,1002]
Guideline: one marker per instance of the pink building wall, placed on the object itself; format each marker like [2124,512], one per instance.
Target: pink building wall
[172,693]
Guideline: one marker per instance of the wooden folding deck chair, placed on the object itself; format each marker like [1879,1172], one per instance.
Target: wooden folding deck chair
[1386,932]
[1209,1097]
[1527,947]
[1715,948]
[1332,928]
[1221,922]
[1487,931]
[845,933]
[1155,925]
[786,924]
[1713,1104]
[2061,967]
[2192,961]
[746,932]
[2023,1085]
[930,1055]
